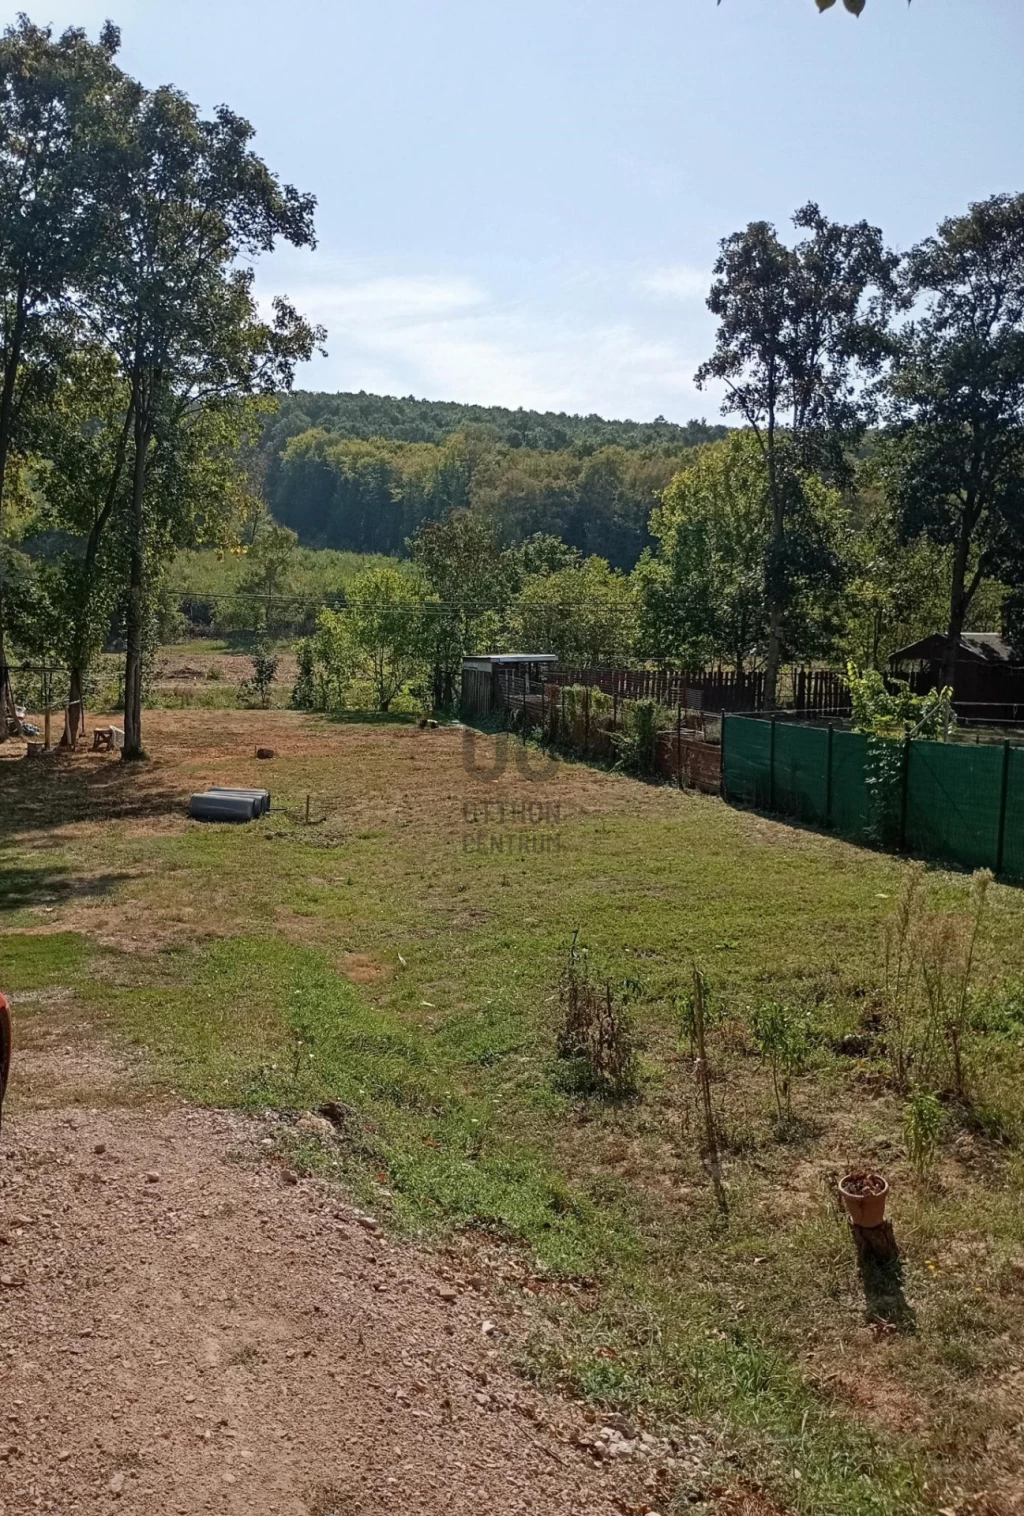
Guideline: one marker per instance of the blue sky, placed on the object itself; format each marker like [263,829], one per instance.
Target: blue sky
[520,204]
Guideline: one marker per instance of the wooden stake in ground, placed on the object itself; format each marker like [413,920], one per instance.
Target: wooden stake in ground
[8,713]
[712,1157]
[875,1243]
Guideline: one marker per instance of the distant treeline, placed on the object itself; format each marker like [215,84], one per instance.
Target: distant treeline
[360,472]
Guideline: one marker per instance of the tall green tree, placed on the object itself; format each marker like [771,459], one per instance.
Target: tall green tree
[57,99]
[270,564]
[383,626]
[897,591]
[191,202]
[797,326]
[472,581]
[586,614]
[702,592]
[954,466]
[82,483]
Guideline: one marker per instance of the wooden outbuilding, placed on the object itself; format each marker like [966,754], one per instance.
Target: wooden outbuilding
[481,676]
[988,681]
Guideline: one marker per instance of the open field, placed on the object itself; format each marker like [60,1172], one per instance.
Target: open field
[401,956]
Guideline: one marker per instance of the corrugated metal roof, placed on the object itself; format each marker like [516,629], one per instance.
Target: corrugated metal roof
[491,658]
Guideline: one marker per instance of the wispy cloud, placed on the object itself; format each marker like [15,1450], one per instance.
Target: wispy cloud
[680,282]
[390,299]
[449,337]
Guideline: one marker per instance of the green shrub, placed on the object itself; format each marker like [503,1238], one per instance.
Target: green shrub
[636,741]
[264,672]
[303,696]
[780,1032]
[923,1123]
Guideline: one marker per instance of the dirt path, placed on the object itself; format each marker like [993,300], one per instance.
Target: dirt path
[184,1329]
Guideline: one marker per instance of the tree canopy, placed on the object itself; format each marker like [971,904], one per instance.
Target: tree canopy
[855,7]
[130,336]
[954,461]
[798,326]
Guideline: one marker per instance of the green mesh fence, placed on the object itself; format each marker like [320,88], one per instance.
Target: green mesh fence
[801,772]
[961,803]
[746,761]
[852,809]
[1013,827]
[953,802]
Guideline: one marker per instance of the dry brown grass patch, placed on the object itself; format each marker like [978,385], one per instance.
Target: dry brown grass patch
[363,968]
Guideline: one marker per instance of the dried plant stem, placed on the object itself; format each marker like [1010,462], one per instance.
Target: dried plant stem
[712,1155]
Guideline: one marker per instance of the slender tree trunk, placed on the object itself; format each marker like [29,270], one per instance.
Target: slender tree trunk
[773,656]
[80,657]
[133,749]
[11,368]
[959,601]
[74,716]
[773,659]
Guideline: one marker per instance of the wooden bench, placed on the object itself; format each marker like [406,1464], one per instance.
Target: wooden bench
[107,739]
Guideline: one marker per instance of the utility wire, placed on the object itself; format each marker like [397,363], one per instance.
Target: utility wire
[477,606]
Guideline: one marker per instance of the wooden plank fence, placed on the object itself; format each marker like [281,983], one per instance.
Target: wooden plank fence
[819,692]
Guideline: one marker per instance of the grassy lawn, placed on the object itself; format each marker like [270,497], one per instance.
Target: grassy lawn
[401,955]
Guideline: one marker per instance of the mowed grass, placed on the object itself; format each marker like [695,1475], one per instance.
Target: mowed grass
[401,955]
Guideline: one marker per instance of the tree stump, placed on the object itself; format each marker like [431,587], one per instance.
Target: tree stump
[875,1244]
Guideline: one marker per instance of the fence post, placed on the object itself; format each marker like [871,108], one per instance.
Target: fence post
[725,720]
[679,745]
[1004,785]
[771,766]
[586,721]
[903,796]
[828,777]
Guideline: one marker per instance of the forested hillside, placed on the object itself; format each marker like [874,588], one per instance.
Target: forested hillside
[360,472]
[363,416]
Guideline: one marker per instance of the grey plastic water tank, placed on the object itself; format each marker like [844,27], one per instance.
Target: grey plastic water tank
[224,807]
[263,796]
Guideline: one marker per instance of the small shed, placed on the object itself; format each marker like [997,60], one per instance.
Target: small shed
[481,677]
[988,680]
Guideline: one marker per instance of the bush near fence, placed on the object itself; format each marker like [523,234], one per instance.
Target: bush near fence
[961,804]
[583,721]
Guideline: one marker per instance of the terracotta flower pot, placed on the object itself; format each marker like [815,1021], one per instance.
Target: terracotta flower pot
[864,1197]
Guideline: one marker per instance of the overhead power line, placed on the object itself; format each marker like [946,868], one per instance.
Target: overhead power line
[312,602]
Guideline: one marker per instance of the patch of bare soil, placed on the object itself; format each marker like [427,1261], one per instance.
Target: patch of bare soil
[362,968]
[186,1327]
[877,1399]
[747,1501]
